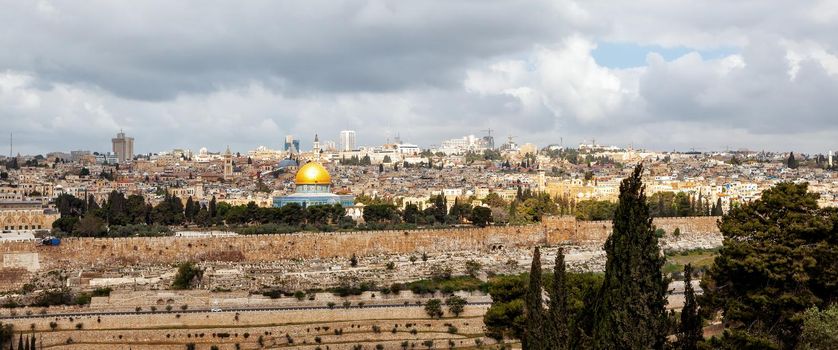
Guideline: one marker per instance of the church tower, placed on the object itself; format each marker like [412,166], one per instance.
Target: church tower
[316,147]
[228,164]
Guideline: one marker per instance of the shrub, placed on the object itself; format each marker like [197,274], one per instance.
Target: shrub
[455,304]
[434,308]
[102,292]
[187,273]
[473,267]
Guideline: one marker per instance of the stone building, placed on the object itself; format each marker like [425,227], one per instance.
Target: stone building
[24,215]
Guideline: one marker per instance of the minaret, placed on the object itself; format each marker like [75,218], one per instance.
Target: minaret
[830,159]
[228,164]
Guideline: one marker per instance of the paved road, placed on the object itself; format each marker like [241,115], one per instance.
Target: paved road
[209,310]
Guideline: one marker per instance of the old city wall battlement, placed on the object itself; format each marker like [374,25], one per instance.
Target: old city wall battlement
[101,252]
[567,229]
[121,252]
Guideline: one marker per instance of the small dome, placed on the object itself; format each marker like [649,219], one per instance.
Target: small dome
[313,174]
[285,163]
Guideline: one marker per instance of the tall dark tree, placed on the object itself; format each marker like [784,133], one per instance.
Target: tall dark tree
[690,332]
[213,207]
[631,309]
[91,203]
[534,332]
[191,209]
[137,209]
[410,213]
[481,216]
[780,257]
[556,326]
[439,208]
[7,335]
[116,209]
[717,209]
[20,342]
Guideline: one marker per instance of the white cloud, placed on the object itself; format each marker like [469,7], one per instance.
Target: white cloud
[183,75]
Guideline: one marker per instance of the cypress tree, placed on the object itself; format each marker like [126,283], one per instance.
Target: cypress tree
[20,342]
[533,309]
[557,326]
[630,313]
[32,342]
[792,162]
[190,210]
[689,331]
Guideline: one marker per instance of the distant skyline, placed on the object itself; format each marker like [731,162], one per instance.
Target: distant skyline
[306,146]
[661,75]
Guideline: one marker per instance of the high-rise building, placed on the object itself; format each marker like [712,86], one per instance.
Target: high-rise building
[830,158]
[292,145]
[123,147]
[347,140]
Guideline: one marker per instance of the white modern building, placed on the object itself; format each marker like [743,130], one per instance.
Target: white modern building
[347,140]
[463,145]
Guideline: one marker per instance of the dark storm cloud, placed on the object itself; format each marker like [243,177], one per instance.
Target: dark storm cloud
[156,50]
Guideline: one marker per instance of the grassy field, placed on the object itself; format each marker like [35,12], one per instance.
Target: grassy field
[700,259]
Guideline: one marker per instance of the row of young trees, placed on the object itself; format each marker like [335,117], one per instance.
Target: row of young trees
[779,259]
[671,204]
[378,212]
[529,206]
[121,216]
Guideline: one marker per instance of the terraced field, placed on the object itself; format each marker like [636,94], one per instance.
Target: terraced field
[407,327]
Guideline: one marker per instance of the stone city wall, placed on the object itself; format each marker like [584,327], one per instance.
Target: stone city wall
[262,252]
[567,229]
[113,252]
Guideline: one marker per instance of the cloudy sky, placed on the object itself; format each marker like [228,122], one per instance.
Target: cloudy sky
[663,75]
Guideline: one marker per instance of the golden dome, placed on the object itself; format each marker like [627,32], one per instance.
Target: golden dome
[313,174]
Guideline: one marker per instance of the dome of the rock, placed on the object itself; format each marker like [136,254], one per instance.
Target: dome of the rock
[313,174]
